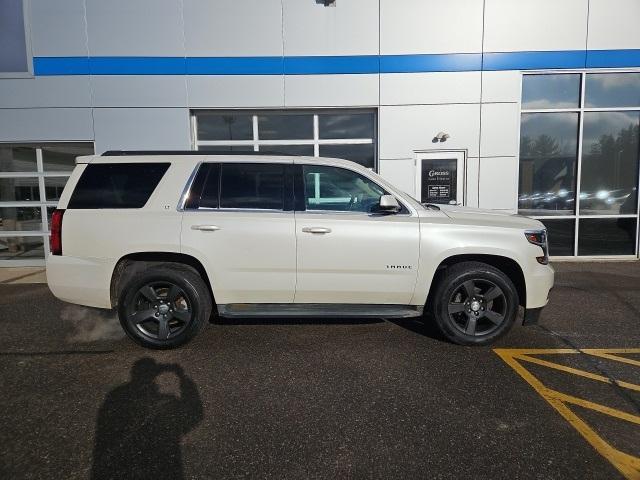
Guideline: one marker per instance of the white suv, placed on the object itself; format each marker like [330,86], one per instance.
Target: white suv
[170,238]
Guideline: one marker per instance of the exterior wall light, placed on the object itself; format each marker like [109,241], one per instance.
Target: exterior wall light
[441,137]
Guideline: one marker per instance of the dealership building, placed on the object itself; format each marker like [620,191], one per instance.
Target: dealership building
[519,106]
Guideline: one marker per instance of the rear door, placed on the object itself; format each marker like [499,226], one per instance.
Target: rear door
[238,219]
[348,252]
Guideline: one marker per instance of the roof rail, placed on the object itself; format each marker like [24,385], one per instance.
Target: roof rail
[126,153]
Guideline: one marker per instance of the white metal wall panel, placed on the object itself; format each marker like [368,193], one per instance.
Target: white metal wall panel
[331,90]
[499,183]
[37,92]
[233,27]
[500,130]
[400,173]
[473,170]
[45,124]
[429,88]
[142,129]
[58,28]
[235,91]
[430,26]
[501,86]
[531,25]
[404,129]
[614,24]
[135,28]
[139,91]
[349,28]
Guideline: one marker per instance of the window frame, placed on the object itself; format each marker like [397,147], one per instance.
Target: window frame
[26,15]
[581,110]
[40,173]
[316,142]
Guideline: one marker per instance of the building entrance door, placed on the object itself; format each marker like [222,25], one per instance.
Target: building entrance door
[440,177]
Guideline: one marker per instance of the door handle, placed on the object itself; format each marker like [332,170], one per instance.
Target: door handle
[205,228]
[316,230]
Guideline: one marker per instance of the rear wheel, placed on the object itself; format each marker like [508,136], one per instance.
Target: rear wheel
[475,304]
[164,306]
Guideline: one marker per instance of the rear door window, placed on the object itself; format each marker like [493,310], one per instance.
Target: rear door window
[252,186]
[117,185]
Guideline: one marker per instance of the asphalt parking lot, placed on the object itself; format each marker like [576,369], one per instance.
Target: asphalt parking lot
[326,399]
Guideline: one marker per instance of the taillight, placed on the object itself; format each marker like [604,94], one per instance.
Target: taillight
[55,242]
[539,238]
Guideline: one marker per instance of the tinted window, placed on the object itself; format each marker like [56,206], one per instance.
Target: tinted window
[548,163]
[364,154]
[612,90]
[346,125]
[117,185]
[338,189]
[551,91]
[607,236]
[252,185]
[285,126]
[609,163]
[561,235]
[225,126]
[205,188]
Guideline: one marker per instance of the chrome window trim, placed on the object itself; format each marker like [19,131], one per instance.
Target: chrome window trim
[187,187]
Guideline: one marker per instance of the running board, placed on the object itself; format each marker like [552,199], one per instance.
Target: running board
[332,310]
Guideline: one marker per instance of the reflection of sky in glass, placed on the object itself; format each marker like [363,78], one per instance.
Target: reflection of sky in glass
[561,127]
[612,90]
[597,124]
[346,125]
[551,91]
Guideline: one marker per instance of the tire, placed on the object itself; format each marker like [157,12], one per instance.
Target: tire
[164,306]
[474,304]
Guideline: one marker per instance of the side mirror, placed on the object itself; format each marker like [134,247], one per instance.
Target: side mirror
[389,204]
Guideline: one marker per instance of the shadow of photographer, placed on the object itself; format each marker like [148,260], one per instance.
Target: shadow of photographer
[139,428]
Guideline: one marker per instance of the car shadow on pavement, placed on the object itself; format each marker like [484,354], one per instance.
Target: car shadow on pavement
[425,326]
[139,428]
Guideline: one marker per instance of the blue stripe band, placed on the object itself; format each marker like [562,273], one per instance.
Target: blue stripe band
[323,65]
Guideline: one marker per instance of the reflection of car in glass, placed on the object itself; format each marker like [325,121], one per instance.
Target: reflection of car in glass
[168,238]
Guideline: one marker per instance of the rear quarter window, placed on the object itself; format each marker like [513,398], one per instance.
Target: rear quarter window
[117,185]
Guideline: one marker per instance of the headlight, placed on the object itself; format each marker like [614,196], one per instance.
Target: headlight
[539,238]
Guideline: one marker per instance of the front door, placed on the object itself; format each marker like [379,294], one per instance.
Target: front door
[348,252]
[440,177]
[239,220]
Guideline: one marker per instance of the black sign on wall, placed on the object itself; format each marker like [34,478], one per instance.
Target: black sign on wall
[439,180]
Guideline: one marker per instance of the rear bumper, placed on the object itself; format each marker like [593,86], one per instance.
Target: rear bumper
[85,281]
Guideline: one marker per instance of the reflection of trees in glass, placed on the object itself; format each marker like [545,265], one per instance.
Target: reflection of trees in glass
[610,168]
[547,174]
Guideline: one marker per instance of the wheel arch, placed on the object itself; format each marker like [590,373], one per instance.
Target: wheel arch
[134,262]
[507,265]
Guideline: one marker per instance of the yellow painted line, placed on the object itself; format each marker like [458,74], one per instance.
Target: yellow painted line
[615,358]
[627,465]
[581,402]
[576,371]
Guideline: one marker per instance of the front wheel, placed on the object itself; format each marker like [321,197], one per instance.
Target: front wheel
[474,304]
[164,306]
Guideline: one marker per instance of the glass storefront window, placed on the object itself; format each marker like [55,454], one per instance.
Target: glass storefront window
[609,178]
[561,236]
[17,159]
[607,236]
[348,133]
[548,162]
[227,126]
[594,184]
[609,90]
[551,91]
[33,177]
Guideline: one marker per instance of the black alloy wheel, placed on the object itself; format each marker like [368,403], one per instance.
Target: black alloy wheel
[474,303]
[478,307]
[163,306]
[160,310]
